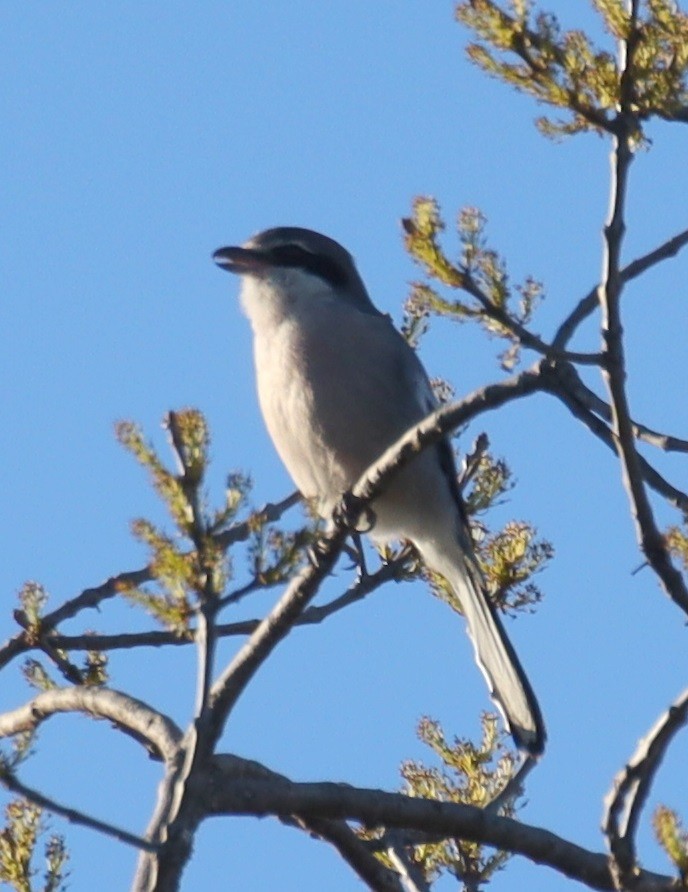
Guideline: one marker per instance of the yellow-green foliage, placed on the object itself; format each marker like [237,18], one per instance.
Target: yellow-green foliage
[480,274]
[37,675]
[470,774]
[275,554]
[492,480]
[677,541]
[33,598]
[508,558]
[529,50]
[191,567]
[18,842]
[422,232]
[672,838]
[166,483]
[95,666]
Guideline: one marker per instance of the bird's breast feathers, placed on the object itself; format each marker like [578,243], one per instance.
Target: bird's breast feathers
[329,413]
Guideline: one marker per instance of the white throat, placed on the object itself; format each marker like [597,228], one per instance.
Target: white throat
[284,294]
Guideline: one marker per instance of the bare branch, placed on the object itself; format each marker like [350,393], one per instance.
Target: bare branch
[73,815]
[412,875]
[355,851]
[93,597]
[665,442]
[68,670]
[301,590]
[514,788]
[561,382]
[269,513]
[90,597]
[442,422]
[649,537]
[665,251]
[626,799]
[590,302]
[471,460]
[230,791]
[373,873]
[129,640]
[389,571]
[525,337]
[156,731]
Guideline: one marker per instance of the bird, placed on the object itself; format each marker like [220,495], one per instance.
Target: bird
[337,385]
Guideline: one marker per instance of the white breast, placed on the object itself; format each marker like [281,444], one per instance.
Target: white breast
[337,387]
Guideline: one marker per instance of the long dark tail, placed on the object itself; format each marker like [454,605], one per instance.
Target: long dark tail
[494,653]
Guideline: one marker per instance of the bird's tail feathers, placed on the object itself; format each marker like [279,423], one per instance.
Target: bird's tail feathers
[494,653]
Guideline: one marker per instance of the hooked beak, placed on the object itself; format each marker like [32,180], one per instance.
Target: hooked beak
[240,260]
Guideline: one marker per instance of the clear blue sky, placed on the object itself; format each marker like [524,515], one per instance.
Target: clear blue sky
[139,137]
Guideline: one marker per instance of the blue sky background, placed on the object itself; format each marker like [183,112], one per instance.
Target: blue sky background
[136,139]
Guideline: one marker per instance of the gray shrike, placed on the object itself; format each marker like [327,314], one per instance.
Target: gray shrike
[338,385]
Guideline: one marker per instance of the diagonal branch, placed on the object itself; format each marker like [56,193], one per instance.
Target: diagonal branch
[525,337]
[614,370]
[269,513]
[588,304]
[93,597]
[303,588]
[626,799]
[12,783]
[272,629]
[90,597]
[227,790]
[588,397]
[563,382]
[156,731]
[559,385]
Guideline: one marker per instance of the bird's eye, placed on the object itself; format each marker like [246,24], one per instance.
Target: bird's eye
[289,255]
[316,264]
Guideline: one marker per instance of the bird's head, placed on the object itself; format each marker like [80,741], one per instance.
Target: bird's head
[288,266]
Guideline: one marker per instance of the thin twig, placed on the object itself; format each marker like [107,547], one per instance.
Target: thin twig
[269,513]
[363,862]
[665,442]
[625,801]
[559,383]
[67,669]
[412,874]
[649,537]
[390,570]
[12,783]
[90,597]
[132,579]
[588,304]
[525,337]
[514,788]
[240,593]
[471,460]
